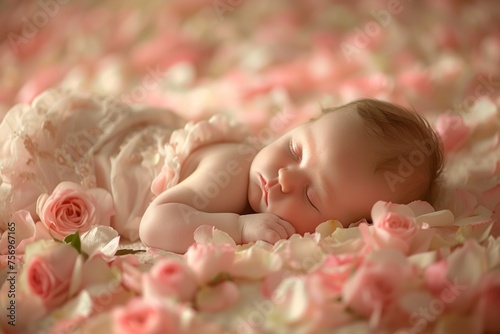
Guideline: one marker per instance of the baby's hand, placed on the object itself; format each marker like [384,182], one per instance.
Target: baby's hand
[264,226]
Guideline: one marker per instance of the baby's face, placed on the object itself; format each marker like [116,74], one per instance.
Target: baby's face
[321,170]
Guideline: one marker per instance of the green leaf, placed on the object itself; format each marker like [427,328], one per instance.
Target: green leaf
[128,251]
[74,241]
[220,277]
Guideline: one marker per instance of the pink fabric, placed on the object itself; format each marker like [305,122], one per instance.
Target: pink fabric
[97,142]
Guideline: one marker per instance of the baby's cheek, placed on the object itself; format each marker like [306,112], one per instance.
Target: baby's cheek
[253,197]
[366,201]
[350,204]
[295,215]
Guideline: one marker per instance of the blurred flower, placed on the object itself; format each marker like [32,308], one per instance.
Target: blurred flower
[377,284]
[489,301]
[209,260]
[453,131]
[170,278]
[142,316]
[327,282]
[455,278]
[52,272]
[217,297]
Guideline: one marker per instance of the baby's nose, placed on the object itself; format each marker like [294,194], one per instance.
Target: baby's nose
[289,178]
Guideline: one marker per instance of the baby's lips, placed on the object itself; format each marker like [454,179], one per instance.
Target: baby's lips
[271,182]
[267,189]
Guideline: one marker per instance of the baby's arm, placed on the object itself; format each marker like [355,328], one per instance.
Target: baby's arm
[171,226]
[171,219]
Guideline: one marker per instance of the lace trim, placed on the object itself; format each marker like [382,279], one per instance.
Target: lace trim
[219,128]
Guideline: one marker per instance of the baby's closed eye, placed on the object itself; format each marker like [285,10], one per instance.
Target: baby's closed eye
[295,150]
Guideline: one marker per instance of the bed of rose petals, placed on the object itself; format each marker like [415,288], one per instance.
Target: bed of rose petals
[416,269]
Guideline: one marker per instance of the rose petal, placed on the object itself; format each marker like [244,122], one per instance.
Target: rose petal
[292,298]
[438,218]
[255,263]
[420,207]
[326,229]
[205,234]
[102,240]
[23,229]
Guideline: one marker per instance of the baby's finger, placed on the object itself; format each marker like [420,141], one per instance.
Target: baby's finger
[287,226]
[280,230]
[271,236]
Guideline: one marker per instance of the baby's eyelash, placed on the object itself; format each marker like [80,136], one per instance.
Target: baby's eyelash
[309,199]
[293,151]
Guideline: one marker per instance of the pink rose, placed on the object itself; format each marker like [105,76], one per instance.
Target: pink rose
[50,272]
[145,316]
[394,226]
[170,278]
[71,208]
[436,276]
[489,301]
[209,260]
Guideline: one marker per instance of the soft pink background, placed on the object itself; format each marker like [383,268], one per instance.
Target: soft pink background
[253,57]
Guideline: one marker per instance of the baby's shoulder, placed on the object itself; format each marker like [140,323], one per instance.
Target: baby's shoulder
[223,156]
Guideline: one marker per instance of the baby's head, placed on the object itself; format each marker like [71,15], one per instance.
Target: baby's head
[409,152]
[338,165]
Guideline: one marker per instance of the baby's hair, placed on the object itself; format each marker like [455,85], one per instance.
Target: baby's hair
[402,135]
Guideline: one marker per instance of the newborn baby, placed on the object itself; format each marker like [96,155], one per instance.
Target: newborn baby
[333,167]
